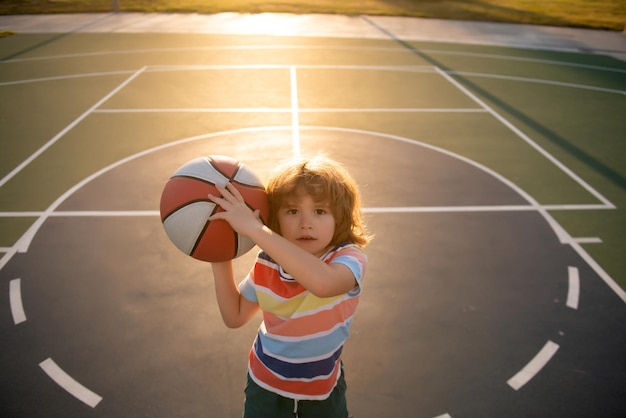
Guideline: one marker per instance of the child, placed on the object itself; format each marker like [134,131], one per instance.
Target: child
[306,280]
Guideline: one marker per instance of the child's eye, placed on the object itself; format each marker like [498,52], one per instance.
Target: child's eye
[292,211]
[320,211]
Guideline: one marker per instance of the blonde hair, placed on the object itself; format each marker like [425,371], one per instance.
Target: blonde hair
[325,181]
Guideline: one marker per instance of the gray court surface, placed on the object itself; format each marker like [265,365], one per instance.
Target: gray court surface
[479,300]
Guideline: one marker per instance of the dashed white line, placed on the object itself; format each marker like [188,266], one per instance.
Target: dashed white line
[15,298]
[573,292]
[68,383]
[534,366]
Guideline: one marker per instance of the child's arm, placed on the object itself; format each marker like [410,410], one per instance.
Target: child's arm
[235,309]
[319,278]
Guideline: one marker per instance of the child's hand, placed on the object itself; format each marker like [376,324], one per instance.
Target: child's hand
[240,217]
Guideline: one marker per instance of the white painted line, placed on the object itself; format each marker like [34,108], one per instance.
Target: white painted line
[65,77]
[437,209]
[68,128]
[9,255]
[573,290]
[537,81]
[310,47]
[113,213]
[69,384]
[526,139]
[20,214]
[408,68]
[200,110]
[444,416]
[295,117]
[534,366]
[24,242]
[5,249]
[289,110]
[208,48]
[15,297]
[394,110]
[599,271]
[522,59]
[588,240]
[389,209]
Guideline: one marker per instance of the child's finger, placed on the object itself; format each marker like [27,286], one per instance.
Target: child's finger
[233,190]
[226,194]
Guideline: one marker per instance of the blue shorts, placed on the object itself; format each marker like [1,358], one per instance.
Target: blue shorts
[261,403]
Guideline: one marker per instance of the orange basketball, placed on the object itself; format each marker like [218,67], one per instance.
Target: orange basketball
[186,208]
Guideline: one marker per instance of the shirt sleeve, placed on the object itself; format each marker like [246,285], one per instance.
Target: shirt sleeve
[246,288]
[354,259]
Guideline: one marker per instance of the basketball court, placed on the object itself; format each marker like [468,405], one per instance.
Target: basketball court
[491,176]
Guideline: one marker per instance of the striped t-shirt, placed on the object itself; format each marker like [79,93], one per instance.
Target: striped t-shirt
[298,347]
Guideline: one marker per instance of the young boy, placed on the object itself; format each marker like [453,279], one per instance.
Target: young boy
[307,282]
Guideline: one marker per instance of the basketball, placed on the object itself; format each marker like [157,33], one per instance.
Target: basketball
[186,208]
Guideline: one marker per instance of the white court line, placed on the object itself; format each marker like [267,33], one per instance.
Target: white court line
[70,384]
[8,255]
[65,77]
[322,47]
[24,242]
[444,416]
[435,209]
[289,110]
[527,139]
[522,59]
[69,127]
[534,366]
[573,289]
[599,270]
[380,209]
[588,240]
[15,298]
[537,81]
[295,117]
[208,48]
[407,68]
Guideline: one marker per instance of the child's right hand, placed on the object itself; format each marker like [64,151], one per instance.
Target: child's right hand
[240,217]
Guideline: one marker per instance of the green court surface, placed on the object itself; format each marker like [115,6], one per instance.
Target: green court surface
[552,123]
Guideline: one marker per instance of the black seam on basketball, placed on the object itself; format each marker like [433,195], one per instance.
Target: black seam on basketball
[232,178]
[177,208]
[206,225]
[185,176]
[252,186]
[210,161]
[195,245]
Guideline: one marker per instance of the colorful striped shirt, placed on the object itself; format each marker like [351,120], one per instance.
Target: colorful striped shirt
[298,347]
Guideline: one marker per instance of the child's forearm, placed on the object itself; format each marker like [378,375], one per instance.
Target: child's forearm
[235,310]
[319,278]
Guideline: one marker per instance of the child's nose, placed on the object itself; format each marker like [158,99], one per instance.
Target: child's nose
[305,222]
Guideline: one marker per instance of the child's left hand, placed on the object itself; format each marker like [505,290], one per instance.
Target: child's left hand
[240,217]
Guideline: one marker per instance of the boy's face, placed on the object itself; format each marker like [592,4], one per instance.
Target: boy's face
[308,224]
